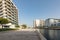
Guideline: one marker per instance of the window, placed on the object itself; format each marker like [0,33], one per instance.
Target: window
[0,2]
[1,11]
[0,8]
[0,5]
[1,14]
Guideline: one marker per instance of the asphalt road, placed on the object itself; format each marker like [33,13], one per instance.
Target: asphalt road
[27,34]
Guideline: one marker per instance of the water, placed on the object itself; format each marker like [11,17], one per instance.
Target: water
[51,34]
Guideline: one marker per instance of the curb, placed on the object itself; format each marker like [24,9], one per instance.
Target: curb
[40,35]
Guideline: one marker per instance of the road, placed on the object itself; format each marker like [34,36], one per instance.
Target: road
[24,34]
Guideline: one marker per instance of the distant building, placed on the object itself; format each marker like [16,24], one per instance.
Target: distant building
[38,23]
[52,22]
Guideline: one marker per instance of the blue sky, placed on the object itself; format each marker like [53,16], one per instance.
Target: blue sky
[37,9]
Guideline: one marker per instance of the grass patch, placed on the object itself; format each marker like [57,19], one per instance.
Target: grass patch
[7,29]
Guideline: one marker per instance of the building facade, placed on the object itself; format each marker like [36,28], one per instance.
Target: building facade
[38,23]
[52,22]
[8,10]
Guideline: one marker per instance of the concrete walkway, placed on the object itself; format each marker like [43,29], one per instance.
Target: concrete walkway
[27,34]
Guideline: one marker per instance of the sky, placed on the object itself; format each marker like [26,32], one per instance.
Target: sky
[30,10]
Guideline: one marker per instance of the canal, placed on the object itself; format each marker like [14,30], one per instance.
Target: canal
[51,34]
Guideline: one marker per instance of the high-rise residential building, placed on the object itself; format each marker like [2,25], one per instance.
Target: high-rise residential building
[8,10]
[52,22]
[38,23]
[42,23]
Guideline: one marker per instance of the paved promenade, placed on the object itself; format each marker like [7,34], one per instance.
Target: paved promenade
[27,34]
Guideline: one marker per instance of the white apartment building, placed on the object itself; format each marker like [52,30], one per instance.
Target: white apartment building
[38,23]
[8,10]
[52,22]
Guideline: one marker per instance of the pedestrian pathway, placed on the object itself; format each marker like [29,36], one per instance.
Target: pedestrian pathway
[19,35]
